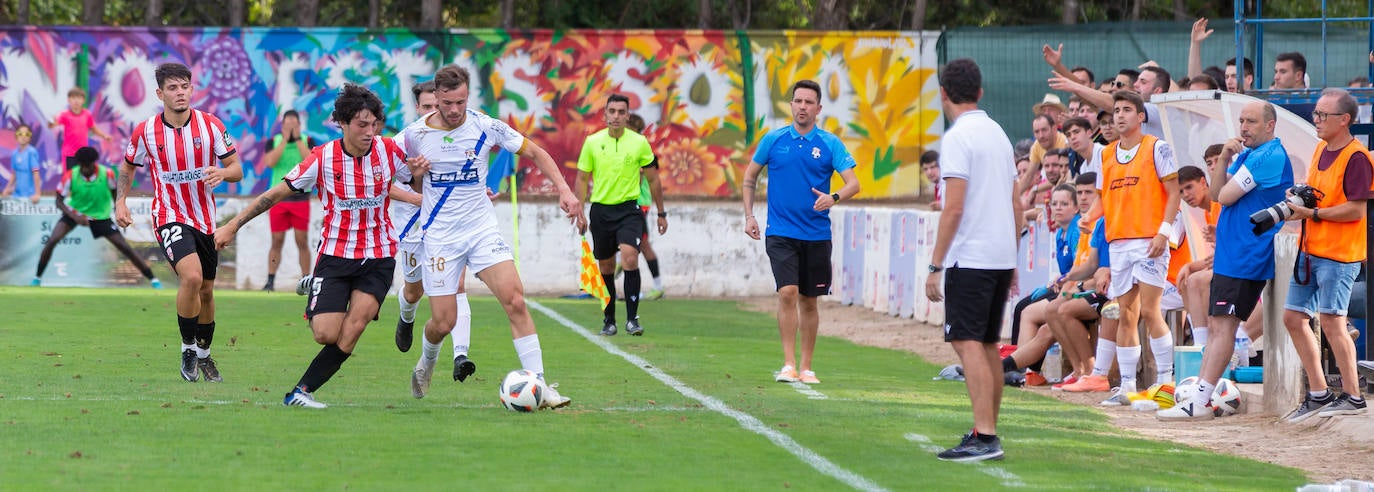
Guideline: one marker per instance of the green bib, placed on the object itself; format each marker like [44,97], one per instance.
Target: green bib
[290,158]
[92,197]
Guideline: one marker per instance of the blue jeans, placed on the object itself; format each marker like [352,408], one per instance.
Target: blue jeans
[1328,286]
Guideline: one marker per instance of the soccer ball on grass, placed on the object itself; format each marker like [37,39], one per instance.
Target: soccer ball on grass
[522,391]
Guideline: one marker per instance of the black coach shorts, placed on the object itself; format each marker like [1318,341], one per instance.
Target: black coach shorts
[805,264]
[336,278]
[179,240]
[99,227]
[1230,296]
[614,225]
[974,301]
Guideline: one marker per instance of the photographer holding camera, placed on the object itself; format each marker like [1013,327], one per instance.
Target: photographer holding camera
[1332,248]
[1244,260]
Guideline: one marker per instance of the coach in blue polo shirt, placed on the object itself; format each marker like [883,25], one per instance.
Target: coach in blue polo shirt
[801,158]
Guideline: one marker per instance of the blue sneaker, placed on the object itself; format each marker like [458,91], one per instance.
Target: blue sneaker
[972,448]
[157,284]
[36,282]
[299,398]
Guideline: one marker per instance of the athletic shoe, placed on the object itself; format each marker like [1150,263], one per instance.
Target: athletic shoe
[303,285]
[1188,410]
[157,284]
[608,330]
[419,378]
[1352,330]
[972,448]
[462,368]
[786,375]
[36,282]
[1088,384]
[632,328]
[654,295]
[1072,378]
[268,287]
[552,399]
[208,370]
[405,334]
[1308,409]
[1118,398]
[1035,379]
[1344,405]
[189,371]
[299,398]
[809,377]
[1014,378]
[1111,310]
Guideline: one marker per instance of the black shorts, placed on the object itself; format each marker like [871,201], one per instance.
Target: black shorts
[974,302]
[178,240]
[336,278]
[614,225]
[99,227]
[805,264]
[1230,296]
[644,211]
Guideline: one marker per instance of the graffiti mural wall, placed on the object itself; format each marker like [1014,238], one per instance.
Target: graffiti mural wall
[708,96]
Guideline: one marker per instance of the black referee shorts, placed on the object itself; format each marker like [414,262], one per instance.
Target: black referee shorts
[614,225]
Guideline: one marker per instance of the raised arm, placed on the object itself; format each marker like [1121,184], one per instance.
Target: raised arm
[1200,33]
[1055,59]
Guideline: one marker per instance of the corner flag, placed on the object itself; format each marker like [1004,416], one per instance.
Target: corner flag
[590,281]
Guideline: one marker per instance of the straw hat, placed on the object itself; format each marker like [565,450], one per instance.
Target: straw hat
[1050,100]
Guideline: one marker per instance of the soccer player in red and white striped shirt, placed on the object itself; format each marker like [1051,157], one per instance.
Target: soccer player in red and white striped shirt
[179,148]
[356,261]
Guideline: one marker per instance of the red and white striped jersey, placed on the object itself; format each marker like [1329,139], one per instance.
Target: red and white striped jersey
[354,193]
[177,159]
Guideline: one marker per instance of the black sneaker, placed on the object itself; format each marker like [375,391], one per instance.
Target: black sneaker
[1344,405]
[972,448]
[405,334]
[462,368]
[632,327]
[189,371]
[208,370]
[1308,409]
[609,329]
[268,287]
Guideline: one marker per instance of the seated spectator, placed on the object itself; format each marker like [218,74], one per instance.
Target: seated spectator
[1047,136]
[1231,75]
[1079,300]
[1105,353]
[1106,133]
[930,165]
[1034,339]
[1360,81]
[1053,108]
[1290,71]
[1202,82]
[1083,152]
[1055,169]
[1084,75]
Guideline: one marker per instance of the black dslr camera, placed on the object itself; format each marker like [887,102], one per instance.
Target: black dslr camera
[1300,194]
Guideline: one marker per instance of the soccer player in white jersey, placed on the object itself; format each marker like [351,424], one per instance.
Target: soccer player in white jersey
[357,253]
[459,222]
[179,147]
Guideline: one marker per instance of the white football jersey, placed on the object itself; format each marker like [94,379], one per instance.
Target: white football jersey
[455,201]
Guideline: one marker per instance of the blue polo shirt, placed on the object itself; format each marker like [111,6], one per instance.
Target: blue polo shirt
[797,163]
[24,162]
[1240,252]
[1099,241]
[1066,244]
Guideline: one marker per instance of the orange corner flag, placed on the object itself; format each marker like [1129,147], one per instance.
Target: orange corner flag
[590,281]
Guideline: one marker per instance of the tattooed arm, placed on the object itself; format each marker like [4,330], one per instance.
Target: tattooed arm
[264,202]
[126,180]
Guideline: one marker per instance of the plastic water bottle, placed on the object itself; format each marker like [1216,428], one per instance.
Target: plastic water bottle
[1053,365]
[1243,349]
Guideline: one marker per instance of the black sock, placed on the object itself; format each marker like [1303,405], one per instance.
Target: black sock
[147,272]
[271,279]
[1009,364]
[1037,365]
[653,267]
[326,363]
[631,294]
[986,438]
[610,290]
[205,333]
[188,328]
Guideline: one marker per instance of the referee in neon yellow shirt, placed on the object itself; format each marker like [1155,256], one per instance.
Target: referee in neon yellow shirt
[614,160]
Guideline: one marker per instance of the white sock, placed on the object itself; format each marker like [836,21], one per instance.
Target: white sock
[462,329]
[1163,349]
[1204,393]
[429,350]
[531,356]
[189,346]
[1199,336]
[407,307]
[202,353]
[658,283]
[1106,354]
[1319,395]
[1128,358]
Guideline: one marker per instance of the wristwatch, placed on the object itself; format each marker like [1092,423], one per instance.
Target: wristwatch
[1315,218]
[835,197]
[936,268]
[663,214]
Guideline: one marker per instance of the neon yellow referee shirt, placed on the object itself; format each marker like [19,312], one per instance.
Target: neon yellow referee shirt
[614,165]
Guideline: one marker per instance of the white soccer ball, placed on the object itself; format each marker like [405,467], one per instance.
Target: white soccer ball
[522,391]
[1226,399]
[1185,390]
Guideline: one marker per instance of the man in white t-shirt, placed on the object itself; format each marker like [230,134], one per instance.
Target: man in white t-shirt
[977,244]
[458,222]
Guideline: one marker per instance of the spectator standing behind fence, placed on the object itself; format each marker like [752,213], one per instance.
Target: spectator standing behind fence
[1333,246]
[283,152]
[77,126]
[930,165]
[1290,71]
[977,244]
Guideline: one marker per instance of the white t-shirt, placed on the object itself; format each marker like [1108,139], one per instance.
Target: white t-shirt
[1154,123]
[455,204]
[976,149]
[1094,162]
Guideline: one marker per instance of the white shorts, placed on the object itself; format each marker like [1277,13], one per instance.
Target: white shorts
[410,256]
[443,263]
[1172,299]
[1130,266]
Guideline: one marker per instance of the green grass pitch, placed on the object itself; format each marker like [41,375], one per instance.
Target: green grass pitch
[91,399]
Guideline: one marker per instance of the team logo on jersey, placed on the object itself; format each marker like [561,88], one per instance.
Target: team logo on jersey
[815,152]
[131,149]
[377,176]
[471,154]
[448,139]
[228,142]
[195,142]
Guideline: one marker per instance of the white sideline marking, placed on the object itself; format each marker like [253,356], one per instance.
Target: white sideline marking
[805,389]
[748,422]
[1008,479]
[645,408]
